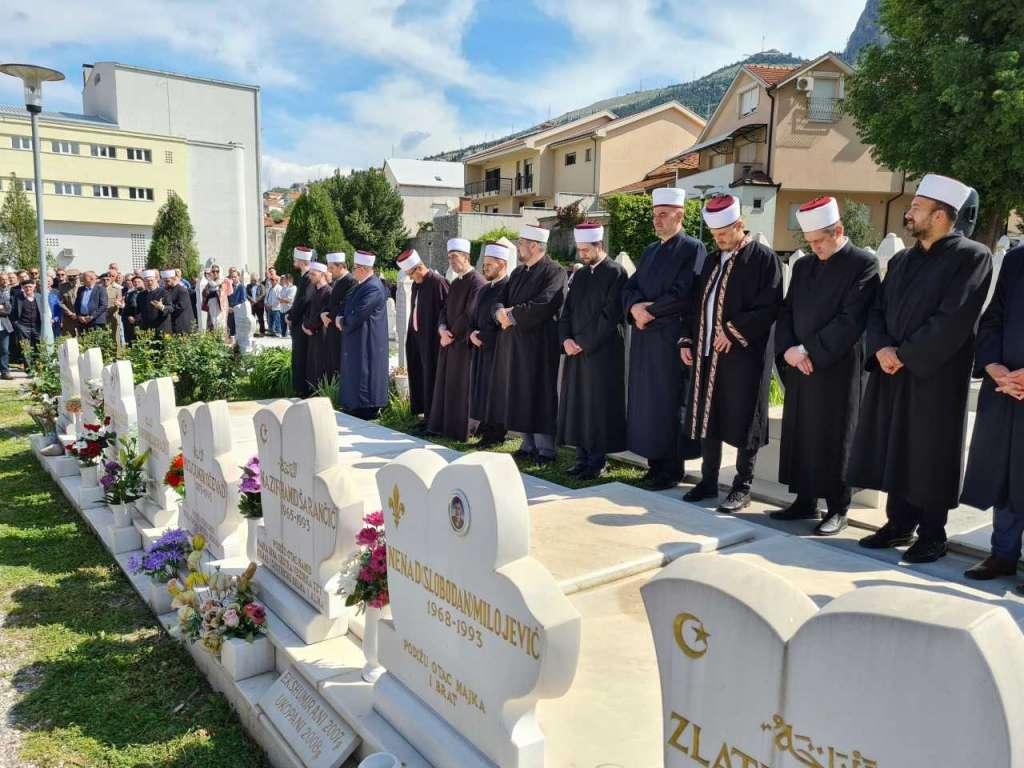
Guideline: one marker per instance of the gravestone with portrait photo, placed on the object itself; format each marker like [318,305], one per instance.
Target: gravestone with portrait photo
[480,630]
[159,434]
[311,515]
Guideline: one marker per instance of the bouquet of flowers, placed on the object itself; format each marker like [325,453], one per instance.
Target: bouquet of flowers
[228,609]
[175,476]
[124,480]
[94,387]
[43,411]
[90,443]
[364,576]
[250,504]
[163,560]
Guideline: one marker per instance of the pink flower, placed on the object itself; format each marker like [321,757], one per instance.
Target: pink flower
[367,537]
[375,518]
[231,618]
[366,574]
[256,613]
[380,600]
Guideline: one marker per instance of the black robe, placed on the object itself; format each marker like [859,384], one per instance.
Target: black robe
[592,404]
[665,275]
[151,318]
[729,391]
[133,310]
[339,289]
[316,349]
[482,321]
[422,345]
[910,437]
[826,310]
[995,464]
[183,318]
[524,395]
[300,342]
[449,412]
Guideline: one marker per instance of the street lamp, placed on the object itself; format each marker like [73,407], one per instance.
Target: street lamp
[33,78]
[702,188]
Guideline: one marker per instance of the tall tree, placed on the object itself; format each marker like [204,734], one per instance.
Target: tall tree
[370,212]
[313,223]
[174,239]
[947,95]
[19,243]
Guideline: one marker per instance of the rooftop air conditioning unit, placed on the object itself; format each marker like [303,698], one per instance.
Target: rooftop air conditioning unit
[805,83]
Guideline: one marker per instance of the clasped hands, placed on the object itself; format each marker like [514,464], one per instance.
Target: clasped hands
[889,360]
[641,317]
[571,347]
[1010,383]
[446,337]
[800,360]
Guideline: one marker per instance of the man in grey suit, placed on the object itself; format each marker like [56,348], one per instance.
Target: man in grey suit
[6,330]
[91,303]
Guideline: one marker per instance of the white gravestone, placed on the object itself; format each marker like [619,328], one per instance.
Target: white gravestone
[311,515]
[392,320]
[213,466]
[762,238]
[119,397]
[626,263]
[403,302]
[480,630]
[244,322]
[720,629]
[306,722]
[160,435]
[891,245]
[90,372]
[787,269]
[67,357]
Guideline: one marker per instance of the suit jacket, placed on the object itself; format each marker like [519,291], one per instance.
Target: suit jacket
[23,326]
[97,309]
[6,308]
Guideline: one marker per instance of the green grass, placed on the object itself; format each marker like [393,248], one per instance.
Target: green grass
[101,684]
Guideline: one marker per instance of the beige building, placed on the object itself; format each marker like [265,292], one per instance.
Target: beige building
[428,188]
[556,165]
[779,137]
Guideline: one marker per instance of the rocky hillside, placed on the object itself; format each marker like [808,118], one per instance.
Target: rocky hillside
[867,31]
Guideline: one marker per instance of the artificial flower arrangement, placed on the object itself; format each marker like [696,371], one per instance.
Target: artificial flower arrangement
[90,442]
[42,406]
[364,576]
[163,560]
[73,404]
[175,475]
[124,480]
[250,502]
[95,389]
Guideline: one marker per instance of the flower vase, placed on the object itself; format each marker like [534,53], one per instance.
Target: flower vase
[373,670]
[90,475]
[122,514]
[252,538]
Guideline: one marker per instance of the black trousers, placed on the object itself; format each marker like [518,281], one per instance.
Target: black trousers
[905,517]
[300,347]
[838,503]
[711,462]
[259,309]
[491,433]
[590,460]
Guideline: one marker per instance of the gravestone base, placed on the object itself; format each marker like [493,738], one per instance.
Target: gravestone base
[147,533]
[302,618]
[158,598]
[242,659]
[155,516]
[121,539]
[82,498]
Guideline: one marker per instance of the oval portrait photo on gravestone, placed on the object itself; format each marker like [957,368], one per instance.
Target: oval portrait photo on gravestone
[458,513]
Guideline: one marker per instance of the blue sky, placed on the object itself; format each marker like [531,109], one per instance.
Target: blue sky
[347,84]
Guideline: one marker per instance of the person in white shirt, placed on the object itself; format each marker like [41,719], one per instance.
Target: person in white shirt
[273,305]
[287,296]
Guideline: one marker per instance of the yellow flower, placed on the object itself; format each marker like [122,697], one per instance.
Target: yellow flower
[185,614]
[174,587]
[212,642]
[183,598]
[195,559]
[198,542]
[195,579]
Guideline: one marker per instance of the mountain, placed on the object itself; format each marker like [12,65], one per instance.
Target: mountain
[701,96]
[867,31]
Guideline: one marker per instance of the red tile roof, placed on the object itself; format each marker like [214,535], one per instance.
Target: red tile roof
[772,74]
[664,175]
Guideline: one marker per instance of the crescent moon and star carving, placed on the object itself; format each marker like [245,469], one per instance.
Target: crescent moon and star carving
[699,645]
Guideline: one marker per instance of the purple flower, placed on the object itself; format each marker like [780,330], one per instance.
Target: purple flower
[250,484]
[111,467]
[106,481]
[253,465]
[134,564]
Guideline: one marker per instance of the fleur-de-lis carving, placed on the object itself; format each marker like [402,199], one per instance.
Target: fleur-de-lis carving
[396,506]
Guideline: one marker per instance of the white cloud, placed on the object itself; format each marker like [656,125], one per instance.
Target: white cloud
[278,172]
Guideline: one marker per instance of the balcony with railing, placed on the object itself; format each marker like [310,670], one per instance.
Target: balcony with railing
[493,186]
[823,109]
[524,184]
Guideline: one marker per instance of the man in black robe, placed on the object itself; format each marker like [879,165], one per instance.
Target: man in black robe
[422,342]
[653,300]
[301,258]
[920,346]
[132,312]
[179,302]
[483,335]
[995,464]
[729,347]
[154,312]
[524,396]
[313,327]
[819,344]
[592,403]
[364,324]
[449,412]
[341,283]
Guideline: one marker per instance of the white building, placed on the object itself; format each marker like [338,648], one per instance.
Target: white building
[427,187]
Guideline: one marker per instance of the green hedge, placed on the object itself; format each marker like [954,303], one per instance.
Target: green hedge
[632,229]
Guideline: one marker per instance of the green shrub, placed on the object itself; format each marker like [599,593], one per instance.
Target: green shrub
[101,338]
[328,387]
[206,367]
[632,228]
[476,247]
[147,356]
[270,374]
[397,414]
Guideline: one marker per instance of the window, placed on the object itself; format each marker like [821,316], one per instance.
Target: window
[570,158]
[64,147]
[537,204]
[139,250]
[27,185]
[748,101]
[793,225]
[168,157]
[586,155]
[104,150]
[67,188]
[21,142]
[140,193]
[104,190]
[143,155]
[747,153]
[717,160]
[758,204]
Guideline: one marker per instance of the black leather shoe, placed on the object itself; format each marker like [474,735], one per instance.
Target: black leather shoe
[831,525]
[735,501]
[576,469]
[991,567]
[798,510]
[925,551]
[521,455]
[661,483]
[886,537]
[591,474]
[700,491]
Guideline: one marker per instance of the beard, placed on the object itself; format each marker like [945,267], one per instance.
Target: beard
[913,230]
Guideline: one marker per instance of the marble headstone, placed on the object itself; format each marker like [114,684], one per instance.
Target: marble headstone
[67,357]
[626,263]
[891,245]
[392,319]
[90,377]
[119,397]
[787,271]
[244,326]
[480,630]
[213,466]
[403,302]
[160,435]
[311,515]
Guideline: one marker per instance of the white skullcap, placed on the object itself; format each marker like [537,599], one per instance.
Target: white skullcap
[459,244]
[336,258]
[496,251]
[537,234]
[408,260]
[589,233]
[721,211]
[316,266]
[673,196]
[944,189]
[150,273]
[817,214]
[365,258]
[303,253]
[168,273]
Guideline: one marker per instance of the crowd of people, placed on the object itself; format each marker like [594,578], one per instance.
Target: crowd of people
[876,372]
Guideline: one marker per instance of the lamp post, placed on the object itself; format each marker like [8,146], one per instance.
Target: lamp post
[702,188]
[33,78]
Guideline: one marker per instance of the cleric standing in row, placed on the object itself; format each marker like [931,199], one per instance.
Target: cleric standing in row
[301,258]
[179,303]
[155,314]
[820,349]
[592,405]
[313,325]
[483,335]
[364,344]
[920,347]
[653,300]
[341,283]
[730,351]
[422,343]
